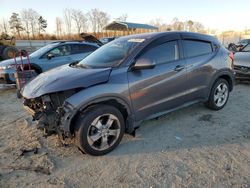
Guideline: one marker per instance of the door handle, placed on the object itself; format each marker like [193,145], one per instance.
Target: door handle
[179,68]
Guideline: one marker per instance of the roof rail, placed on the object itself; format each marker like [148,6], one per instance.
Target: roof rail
[63,41]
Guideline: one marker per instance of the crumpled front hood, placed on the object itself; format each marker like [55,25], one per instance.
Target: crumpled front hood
[242,59]
[64,78]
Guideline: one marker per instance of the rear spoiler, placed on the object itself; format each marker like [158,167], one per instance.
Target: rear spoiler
[90,38]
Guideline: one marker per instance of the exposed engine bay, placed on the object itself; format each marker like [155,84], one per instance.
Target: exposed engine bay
[48,110]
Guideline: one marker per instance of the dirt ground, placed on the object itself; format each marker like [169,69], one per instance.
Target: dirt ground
[192,147]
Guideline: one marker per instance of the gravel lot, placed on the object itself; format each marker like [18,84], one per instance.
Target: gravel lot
[192,147]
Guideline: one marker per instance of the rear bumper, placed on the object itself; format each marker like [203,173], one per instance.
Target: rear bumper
[240,75]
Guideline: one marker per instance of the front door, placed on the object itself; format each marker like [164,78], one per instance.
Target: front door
[60,55]
[162,88]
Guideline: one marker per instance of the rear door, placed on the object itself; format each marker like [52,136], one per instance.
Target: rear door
[199,55]
[162,88]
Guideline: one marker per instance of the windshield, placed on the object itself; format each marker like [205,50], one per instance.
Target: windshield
[112,53]
[244,41]
[246,48]
[42,50]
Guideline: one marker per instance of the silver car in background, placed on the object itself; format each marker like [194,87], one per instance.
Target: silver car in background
[242,64]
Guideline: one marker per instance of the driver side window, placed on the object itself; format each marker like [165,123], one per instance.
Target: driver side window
[58,51]
[163,53]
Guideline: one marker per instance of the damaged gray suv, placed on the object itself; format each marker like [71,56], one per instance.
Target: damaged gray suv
[131,79]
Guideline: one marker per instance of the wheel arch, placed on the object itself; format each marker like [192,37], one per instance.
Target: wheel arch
[35,67]
[225,74]
[116,102]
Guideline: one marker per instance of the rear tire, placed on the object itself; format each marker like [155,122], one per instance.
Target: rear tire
[9,52]
[218,95]
[99,130]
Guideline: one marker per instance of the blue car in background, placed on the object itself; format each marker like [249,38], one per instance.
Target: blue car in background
[51,56]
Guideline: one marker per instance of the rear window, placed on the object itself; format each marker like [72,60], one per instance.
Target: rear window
[196,48]
[82,48]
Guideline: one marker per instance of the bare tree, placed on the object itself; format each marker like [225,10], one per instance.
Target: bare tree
[177,25]
[5,26]
[1,28]
[160,24]
[98,19]
[92,15]
[67,13]
[103,20]
[58,26]
[34,16]
[79,19]
[30,20]
[122,18]
[26,21]
[198,27]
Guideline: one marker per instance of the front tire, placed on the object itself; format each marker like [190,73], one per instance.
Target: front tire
[99,130]
[219,95]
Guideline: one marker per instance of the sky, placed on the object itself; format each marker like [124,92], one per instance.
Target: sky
[213,14]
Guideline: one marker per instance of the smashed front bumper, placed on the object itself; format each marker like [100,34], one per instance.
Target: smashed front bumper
[57,121]
[67,115]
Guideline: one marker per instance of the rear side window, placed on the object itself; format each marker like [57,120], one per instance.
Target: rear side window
[163,53]
[196,48]
[82,48]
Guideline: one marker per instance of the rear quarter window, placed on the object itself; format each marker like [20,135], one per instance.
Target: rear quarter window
[195,48]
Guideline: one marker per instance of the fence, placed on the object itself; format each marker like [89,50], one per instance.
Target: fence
[32,45]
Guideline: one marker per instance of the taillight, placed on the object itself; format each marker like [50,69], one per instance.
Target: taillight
[231,55]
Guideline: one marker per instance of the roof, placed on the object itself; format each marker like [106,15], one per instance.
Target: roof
[184,34]
[124,26]
[73,42]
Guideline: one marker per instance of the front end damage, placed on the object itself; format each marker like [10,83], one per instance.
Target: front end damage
[52,112]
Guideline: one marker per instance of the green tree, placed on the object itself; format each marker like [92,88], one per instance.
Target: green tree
[15,23]
[190,24]
[42,24]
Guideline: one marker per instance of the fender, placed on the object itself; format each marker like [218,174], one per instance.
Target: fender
[107,98]
[94,95]
[70,116]
[221,73]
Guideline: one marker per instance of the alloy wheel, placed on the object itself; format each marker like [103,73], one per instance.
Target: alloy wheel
[221,95]
[103,132]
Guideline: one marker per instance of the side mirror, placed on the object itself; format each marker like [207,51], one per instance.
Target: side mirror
[144,63]
[50,56]
[24,53]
